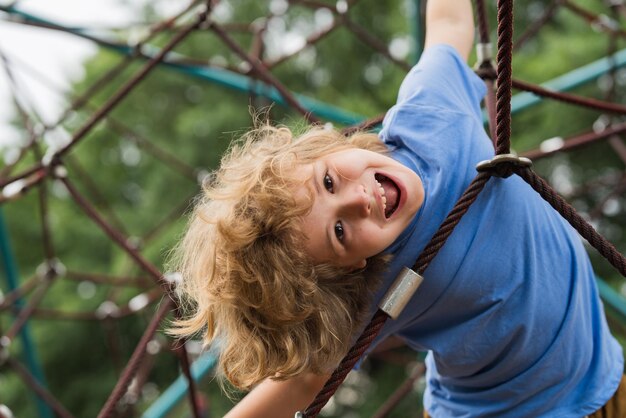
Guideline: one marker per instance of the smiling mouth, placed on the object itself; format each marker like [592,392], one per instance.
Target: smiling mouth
[390,194]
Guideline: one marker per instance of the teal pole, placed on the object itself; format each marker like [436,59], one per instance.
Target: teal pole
[222,77]
[243,83]
[571,80]
[178,390]
[240,82]
[612,298]
[10,269]
[568,81]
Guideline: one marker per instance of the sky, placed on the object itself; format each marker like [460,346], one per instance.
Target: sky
[59,56]
[56,55]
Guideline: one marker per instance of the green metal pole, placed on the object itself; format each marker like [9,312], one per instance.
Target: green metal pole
[177,390]
[225,78]
[571,80]
[326,111]
[613,299]
[30,354]
[568,81]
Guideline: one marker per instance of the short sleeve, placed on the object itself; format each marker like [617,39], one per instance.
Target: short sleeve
[437,120]
[442,78]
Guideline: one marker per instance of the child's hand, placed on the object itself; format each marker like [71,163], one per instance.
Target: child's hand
[279,399]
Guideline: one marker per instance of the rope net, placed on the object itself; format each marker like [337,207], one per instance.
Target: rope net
[66,166]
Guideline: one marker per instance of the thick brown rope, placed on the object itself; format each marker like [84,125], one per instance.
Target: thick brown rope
[26,312]
[604,247]
[379,319]
[503,132]
[403,390]
[481,19]
[605,106]
[503,92]
[578,141]
[262,72]
[453,218]
[133,82]
[39,390]
[115,99]
[534,27]
[486,65]
[348,362]
[135,360]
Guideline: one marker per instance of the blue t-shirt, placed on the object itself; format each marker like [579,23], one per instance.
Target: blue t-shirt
[508,311]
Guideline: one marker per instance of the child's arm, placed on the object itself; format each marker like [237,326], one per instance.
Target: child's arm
[450,22]
[279,399]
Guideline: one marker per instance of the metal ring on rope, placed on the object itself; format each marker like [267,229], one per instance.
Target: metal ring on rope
[503,165]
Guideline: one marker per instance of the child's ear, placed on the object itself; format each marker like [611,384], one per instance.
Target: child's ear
[359,265]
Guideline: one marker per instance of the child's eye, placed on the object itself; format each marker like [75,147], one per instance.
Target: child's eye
[328,182]
[339,231]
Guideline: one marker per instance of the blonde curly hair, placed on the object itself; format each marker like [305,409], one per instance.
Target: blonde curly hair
[247,281]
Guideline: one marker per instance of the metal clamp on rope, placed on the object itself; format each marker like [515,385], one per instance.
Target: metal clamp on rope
[503,165]
[400,292]
[484,55]
[483,52]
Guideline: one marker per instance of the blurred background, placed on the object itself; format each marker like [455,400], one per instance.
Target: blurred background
[74,303]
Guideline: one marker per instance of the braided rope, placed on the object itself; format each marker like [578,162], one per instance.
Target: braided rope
[451,221]
[25,313]
[43,394]
[404,389]
[481,19]
[490,98]
[380,317]
[490,73]
[135,360]
[192,392]
[604,247]
[579,141]
[116,98]
[532,30]
[348,362]
[262,72]
[132,83]
[504,80]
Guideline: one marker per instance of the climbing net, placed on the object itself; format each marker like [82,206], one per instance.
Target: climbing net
[41,167]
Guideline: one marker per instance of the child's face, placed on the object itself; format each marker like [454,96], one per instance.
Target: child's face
[362,201]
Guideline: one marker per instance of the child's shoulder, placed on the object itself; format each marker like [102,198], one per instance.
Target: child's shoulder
[443,79]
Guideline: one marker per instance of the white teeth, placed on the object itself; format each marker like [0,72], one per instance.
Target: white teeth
[380,187]
[382,195]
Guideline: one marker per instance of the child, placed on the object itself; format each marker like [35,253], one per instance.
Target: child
[281,256]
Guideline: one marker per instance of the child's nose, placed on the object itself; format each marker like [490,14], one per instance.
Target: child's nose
[358,202]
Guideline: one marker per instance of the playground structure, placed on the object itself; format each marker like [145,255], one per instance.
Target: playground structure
[19,179]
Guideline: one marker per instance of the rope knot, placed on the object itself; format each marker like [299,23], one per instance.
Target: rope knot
[503,165]
[486,72]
